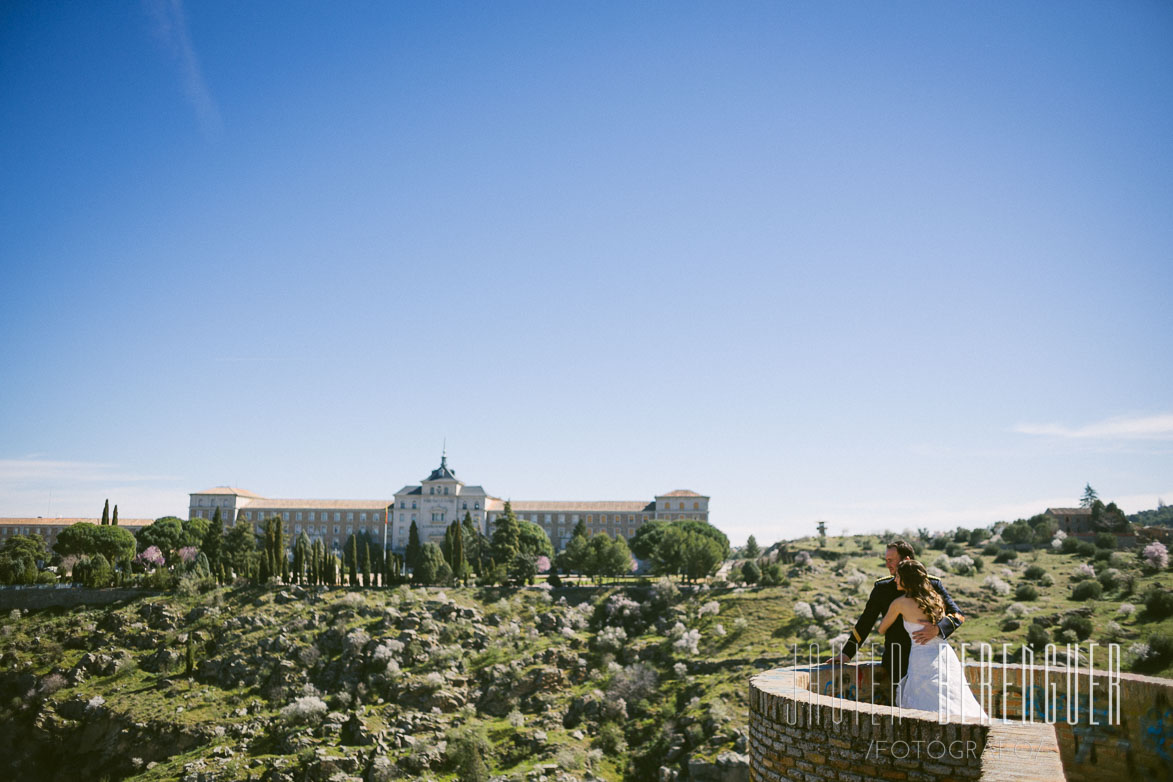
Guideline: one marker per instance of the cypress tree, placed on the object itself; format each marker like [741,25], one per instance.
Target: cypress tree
[366,564]
[114,518]
[353,560]
[472,542]
[459,563]
[211,545]
[106,514]
[411,556]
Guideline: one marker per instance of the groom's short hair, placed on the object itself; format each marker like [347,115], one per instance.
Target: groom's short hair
[903,548]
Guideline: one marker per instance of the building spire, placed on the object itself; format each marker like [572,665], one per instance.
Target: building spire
[444,454]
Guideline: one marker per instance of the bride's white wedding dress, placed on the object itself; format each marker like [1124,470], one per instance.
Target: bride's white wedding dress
[935,681]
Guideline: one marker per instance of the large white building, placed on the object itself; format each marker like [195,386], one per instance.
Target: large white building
[433,504]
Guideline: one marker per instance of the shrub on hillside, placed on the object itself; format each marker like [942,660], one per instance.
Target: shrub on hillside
[1154,655]
[1158,603]
[1026,592]
[750,572]
[1105,540]
[1034,572]
[1087,590]
[1109,578]
[991,549]
[1083,571]
[999,586]
[1081,626]
[1036,637]
[772,575]
[308,710]
[1006,555]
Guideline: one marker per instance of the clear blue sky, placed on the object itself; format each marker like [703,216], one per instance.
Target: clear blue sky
[889,265]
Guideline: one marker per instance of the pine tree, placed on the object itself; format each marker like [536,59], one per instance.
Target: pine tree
[473,552]
[752,549]
[106,514]
[1089,497]
[411,556]
[114,518]
[506,535]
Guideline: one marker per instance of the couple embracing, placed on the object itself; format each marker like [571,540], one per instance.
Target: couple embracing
[918,615]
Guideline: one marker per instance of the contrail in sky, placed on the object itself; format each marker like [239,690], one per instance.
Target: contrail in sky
[170,25]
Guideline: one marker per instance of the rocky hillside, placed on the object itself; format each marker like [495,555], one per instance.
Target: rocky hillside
[301,684]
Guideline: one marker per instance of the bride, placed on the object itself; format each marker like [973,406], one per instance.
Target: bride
[935,680]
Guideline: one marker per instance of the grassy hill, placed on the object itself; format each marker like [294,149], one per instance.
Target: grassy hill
[625,682]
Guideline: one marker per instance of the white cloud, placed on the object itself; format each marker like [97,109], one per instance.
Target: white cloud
[170,26]
[1153,427]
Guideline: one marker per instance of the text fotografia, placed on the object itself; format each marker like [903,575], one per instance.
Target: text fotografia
[957,750]
[1055,691]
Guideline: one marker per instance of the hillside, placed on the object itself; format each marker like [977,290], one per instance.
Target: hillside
[640,681]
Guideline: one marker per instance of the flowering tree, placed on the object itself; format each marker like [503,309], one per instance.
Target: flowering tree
[188,554]
[151,558]
[1156,555]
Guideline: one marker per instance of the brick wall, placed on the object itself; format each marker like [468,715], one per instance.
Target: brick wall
[800,734]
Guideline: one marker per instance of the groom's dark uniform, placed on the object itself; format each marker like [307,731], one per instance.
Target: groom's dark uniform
[897,643]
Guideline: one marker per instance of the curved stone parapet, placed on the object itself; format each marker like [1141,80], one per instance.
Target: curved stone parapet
[821,723]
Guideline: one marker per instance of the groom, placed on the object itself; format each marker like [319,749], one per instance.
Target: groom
[897,644]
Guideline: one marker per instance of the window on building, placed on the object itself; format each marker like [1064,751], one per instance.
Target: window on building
[336,528]
[413,504]
[476,506]
[285,515]
[464,506]
[297,528]
[362,517]
[350,517]
[311,515]
[590,519]
[248,515]
[445,489]
[696,506]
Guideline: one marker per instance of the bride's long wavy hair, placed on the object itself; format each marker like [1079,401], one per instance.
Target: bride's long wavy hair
[915,581]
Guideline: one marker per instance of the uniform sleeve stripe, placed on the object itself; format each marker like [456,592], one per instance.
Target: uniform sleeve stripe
[855,634]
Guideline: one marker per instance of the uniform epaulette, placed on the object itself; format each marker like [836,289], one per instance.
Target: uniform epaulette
[885,578]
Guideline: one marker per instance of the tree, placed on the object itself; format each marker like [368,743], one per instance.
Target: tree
[212,545]
[432,568]
[352,558]
[1089,497]
[366,563]
[114,518]
[454,551]
[171,533]
[752,549]
[301,556]
[1018,532]
[86,539]
[687,552]
[19,557]
[240,546]
[750,572]
[533,540]
[474,543]
[506,535]
[411,556]
[106,513]
[575,558]
[645,539]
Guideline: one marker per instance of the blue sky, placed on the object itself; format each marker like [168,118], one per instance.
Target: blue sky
[887,265]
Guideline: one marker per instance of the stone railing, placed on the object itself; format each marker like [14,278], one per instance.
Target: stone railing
[819,723]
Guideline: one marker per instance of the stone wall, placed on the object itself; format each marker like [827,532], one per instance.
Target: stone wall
[818,723]
[39,598]
[800,734]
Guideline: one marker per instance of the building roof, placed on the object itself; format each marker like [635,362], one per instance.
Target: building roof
[410,490]
[40,521]
[528,506]
[683,493]
[443,472]
[1070,511]
[229,490]
[267,504]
